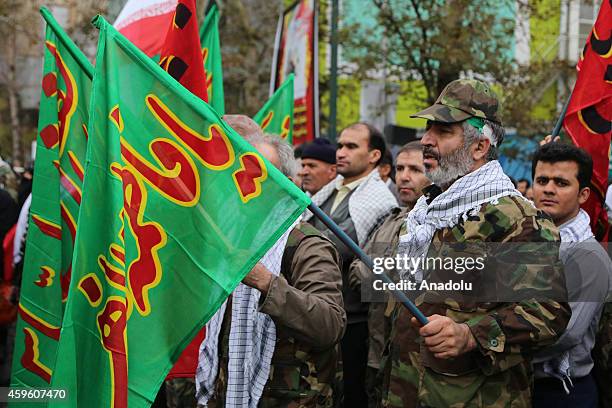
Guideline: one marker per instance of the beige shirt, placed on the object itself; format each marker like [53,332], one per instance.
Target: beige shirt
[343,191]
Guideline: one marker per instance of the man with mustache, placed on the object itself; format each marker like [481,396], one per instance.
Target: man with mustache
[318,165]
[472,353]
[355,200]
[410,180]
[561,179]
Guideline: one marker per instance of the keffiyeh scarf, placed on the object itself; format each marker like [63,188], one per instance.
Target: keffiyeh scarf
[465,196]
[251,343]
[371,200]
[578,229]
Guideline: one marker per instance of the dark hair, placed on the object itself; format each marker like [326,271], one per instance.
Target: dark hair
[557,152]
[524,180]
[387,158]
[376,139]
[414,146]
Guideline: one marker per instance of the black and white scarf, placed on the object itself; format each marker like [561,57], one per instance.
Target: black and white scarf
[371,200]
[487,184]
[252,341]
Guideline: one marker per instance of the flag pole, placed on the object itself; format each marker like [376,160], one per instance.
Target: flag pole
[559,123]
[399,295]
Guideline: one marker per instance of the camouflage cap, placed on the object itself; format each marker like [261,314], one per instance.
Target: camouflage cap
[461,100]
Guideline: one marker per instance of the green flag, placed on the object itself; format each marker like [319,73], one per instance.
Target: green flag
[211,53]
[276,116]
[56,197]
[176,210]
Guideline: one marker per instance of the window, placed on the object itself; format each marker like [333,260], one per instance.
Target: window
[588,15]
[577,21]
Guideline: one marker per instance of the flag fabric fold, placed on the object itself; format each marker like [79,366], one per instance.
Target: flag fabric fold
[56,198]
[176,210]
[589,115]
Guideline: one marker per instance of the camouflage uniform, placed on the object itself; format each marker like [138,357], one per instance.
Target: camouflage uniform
[497,373]
[382,243]
[602,357]
[305,303]
[180,393]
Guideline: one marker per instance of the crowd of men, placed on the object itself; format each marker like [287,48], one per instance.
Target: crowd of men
[318,342]
[303,329]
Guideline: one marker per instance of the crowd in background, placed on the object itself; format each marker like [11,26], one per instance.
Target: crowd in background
[317,343]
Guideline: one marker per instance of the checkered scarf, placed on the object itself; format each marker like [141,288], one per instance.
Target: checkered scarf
[371,200]
[578,229]
[251,343]
[464,197]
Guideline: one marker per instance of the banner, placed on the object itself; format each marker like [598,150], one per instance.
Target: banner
[276,116]
[589,115]
[182,59]
[145,23]
[56,197]
[180,54]
[296,51]
[211,54]
[177,209]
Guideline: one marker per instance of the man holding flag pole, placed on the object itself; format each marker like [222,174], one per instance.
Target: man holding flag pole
[143,284]
[151,161]
[473,352]
[252,354]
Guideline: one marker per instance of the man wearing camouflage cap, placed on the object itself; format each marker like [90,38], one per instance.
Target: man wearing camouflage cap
[472,353]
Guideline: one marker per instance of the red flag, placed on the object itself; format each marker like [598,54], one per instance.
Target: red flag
[589,116]
[181,55]
[140,20]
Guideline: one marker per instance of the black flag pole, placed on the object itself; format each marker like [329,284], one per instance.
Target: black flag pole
[399,295]
[559,123]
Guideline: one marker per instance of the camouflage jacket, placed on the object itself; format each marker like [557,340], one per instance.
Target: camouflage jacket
[498,372]
[305,303]
[602,356]
[381,243]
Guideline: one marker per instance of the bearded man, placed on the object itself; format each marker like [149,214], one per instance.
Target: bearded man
[472,353]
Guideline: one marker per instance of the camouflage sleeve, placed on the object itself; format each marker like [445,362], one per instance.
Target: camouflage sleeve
[310,305]
[358,271]
[378,244]
[536,311]
[602,357]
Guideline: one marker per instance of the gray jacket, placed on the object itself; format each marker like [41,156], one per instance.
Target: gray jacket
[588,274]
